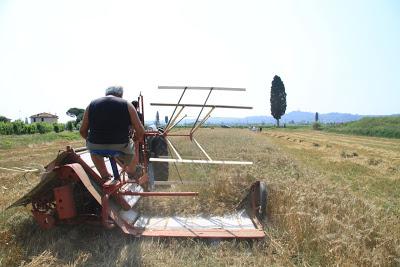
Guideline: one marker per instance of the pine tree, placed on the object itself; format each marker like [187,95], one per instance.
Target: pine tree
[76,113]
[316,116]
[278,99]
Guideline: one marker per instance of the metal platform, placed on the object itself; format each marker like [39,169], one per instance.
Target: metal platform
[235,225]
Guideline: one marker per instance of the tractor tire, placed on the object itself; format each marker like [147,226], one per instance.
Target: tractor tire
[158,148]
[261,201]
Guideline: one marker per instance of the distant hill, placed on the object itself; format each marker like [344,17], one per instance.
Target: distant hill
[295,117]
[291,117]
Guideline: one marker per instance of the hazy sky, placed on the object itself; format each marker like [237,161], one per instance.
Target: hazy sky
[333,56]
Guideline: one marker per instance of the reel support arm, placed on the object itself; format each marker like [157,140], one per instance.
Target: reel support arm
[196,125]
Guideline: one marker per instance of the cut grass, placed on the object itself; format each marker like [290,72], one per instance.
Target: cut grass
[370,172]
[313,218]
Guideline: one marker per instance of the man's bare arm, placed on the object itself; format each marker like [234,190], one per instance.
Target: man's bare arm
[84,130]
[136,123]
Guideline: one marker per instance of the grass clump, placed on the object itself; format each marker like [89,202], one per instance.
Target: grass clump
[348,154]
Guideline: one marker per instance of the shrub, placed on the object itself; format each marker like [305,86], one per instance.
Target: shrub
[43,127]
[77,125]
[58,127]
[69,126]
[30,128]
[6,128]
[317,126]
[18,127]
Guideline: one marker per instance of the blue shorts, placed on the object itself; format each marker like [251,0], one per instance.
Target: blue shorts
[128,150]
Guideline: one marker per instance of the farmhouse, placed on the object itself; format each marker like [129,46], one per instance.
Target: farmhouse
[44,117]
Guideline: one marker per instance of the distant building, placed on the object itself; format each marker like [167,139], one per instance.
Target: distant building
[44,117]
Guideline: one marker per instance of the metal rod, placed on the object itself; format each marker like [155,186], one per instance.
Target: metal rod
[141,107]
[199,161]
[199,124]
[160,194]
[202,150]
[20,169]
[173,113]
[202,121]
[16,170]
[187,135]
[202,88]
[175,165]
[80,149]
[173,148]
[188,182]
[177,122]
[202,108]
[198,105]
[172,120]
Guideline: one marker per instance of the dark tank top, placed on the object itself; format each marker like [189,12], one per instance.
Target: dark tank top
[109,121]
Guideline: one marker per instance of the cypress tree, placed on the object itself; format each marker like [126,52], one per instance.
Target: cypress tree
[157,119]
[278,99]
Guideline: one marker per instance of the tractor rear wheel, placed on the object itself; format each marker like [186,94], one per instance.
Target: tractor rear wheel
[261,201]
[159,148]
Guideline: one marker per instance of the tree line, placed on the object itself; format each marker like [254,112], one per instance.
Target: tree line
[19,127]
[277,101]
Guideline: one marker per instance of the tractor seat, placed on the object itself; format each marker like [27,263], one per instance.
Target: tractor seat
[110,154]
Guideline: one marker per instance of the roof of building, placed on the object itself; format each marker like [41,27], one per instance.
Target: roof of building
[44,115]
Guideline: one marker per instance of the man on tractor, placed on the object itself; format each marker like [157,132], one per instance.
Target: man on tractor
[105,127]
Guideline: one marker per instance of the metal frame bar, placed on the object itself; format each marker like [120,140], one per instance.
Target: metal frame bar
[173,119]
[185,182]
[202,150]
[171,123]
[199,105]
[196,125]
[202,161]
[16,169]
[173,113]
[202,122]
[141,106]
[207,233]
[159,194]
[177,122]
[174,149]
[202,108]
[202,88]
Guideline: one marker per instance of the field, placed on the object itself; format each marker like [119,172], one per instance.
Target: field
[388,126]
[333,200]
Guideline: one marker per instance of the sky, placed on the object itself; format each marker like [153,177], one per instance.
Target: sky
[333,56]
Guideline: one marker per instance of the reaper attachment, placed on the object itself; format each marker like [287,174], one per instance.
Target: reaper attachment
[176,118]
[71,191]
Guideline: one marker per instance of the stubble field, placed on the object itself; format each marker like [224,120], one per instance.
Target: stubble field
[333,200]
